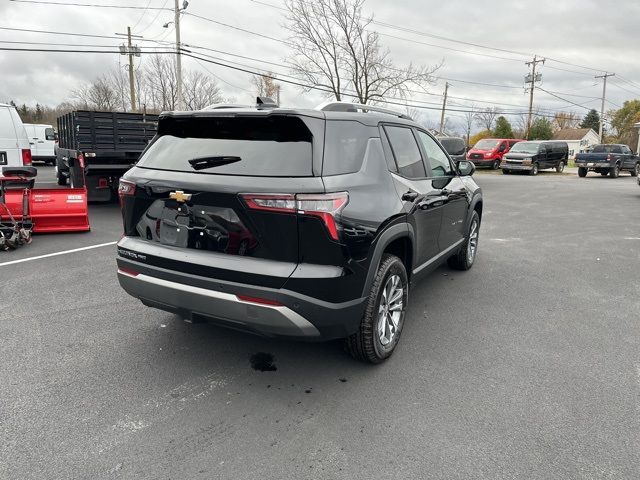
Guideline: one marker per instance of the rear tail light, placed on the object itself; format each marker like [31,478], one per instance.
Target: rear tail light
[26,156]
[126,189]
[325,206]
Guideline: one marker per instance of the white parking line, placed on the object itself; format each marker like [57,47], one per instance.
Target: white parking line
[13,262]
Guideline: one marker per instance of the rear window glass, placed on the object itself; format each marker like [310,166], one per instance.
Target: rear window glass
[49,134]
[345,145]
[607,149]
[453,145]
[276,146]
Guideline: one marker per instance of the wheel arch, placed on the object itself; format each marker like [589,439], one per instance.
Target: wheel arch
[397,239]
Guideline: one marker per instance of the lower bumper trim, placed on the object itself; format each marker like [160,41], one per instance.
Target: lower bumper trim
[188,300]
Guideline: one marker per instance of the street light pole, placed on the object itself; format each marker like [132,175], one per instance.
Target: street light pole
[179,102]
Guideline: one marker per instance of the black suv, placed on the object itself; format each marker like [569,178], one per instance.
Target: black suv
[296,223]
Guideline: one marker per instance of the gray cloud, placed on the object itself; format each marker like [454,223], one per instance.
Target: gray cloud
[578,31]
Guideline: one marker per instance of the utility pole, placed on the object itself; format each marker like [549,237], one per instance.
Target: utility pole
[180,103]
[604,92]
[131,50]
[444,106]
[532,78]
[132,89]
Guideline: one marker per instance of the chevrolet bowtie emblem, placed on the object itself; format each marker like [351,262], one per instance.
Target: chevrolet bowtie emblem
[180,196]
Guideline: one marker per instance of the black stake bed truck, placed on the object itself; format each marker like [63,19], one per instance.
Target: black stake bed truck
[104,144]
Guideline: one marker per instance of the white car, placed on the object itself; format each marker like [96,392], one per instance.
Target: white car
[43,140]
[14,143]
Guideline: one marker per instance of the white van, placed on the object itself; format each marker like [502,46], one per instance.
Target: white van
[14,143]
[43,140]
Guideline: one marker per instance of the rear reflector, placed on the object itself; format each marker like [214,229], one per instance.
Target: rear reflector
[325,206]
[26,156]
[259,301]
[128,271]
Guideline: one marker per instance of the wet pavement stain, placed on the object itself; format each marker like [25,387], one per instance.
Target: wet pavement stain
[343,380]
[263,362]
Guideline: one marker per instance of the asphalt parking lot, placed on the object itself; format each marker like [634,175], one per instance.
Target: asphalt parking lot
[527,366]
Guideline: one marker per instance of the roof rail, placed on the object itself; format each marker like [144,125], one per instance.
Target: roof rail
[334,106]
[220,106]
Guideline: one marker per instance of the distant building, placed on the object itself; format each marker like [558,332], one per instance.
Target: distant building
[578,139]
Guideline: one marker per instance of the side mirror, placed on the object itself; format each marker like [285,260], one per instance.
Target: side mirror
[466,168]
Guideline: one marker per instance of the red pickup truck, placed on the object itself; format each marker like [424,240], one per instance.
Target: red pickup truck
[488,152]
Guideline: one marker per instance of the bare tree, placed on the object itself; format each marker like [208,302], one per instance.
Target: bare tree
[98,95]
[562,120]
[200,90]
[336,50]
[161,81]
[265,86]
[469,117]
[486,118]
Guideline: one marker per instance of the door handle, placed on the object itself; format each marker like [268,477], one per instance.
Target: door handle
[433,202]
[409,196]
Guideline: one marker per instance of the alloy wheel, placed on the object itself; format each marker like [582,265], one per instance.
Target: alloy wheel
[472,246]
[390,309]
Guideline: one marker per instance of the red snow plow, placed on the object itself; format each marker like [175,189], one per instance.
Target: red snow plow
[25,209]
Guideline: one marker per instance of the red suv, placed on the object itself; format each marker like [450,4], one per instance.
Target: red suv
[488,152]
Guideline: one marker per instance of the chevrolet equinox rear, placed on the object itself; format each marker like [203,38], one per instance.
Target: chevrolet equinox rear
[305,224]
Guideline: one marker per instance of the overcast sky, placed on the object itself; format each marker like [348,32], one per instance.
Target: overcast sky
[584,32]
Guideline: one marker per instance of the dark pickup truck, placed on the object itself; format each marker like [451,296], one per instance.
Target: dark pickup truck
[104,145]
[609,159]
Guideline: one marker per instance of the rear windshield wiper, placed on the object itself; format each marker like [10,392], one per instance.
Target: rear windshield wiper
[209,162]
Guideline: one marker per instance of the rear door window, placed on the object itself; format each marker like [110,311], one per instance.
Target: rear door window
[406,152]
[274,146]
[49,134]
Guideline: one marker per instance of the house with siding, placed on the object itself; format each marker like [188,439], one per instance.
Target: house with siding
[578,139]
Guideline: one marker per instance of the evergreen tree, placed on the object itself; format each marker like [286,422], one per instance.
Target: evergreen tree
[38,113]
[591,120]
[503,128]
[541,129]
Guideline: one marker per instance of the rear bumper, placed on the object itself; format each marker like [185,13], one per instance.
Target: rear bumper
[227,308]
[594,164]
[202,298]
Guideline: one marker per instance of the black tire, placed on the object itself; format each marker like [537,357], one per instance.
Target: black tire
[582,172]
[463,260]
[604,173]
[534,169]
[560,167]
[505,171]
[635,171]
[366,344]
[615,171]
[62,180]
[495,165]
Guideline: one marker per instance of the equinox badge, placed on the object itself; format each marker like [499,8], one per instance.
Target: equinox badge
[180,196]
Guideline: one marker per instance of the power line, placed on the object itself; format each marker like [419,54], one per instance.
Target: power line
[142,16]
[154,18]
[73,4]
[462,42]
[238,28]
[565,100]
